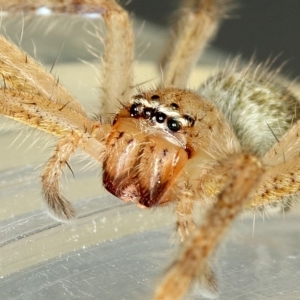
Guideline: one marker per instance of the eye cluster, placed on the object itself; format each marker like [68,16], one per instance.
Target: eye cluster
[160,114]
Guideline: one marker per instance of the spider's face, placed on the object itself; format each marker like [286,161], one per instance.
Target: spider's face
[147,149]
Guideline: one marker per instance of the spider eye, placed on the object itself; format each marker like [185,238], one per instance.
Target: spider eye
[174,106]
[173,125]
[135,110]
[160,117]
[138,96]
[190,120]
[148,113]
[155,97]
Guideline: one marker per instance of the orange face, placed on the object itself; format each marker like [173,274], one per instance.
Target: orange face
[145,152]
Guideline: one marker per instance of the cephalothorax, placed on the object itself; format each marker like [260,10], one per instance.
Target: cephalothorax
[167,126]
[232,145]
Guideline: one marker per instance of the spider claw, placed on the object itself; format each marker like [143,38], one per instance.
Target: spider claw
[185,228]
[59,207]
[208,286]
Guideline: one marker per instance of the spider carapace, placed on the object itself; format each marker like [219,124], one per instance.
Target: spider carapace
[149,145]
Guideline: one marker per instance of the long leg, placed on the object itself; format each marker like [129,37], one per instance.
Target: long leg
[192,262]
[22,73]
[118,58]
[288,148]
[57,119]
[198,21]
[74,130]
[282,179]
[185,227]
[30,95]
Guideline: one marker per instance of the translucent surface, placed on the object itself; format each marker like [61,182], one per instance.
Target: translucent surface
[114,250]
[263,267]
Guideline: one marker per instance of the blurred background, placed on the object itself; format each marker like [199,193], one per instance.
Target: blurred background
[263,29]
[268,28]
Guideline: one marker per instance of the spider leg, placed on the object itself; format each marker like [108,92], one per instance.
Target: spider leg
[184,211]
[282,178]
[197,23]
[32,96]
[286,149]
[185,227]
[58,205]
[116,80]
[278,184]
[74,130]
[192,262]
[22,73]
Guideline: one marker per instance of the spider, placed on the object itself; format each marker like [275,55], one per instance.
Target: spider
[232,145]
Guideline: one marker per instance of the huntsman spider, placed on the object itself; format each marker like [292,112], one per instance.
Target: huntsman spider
[232,145]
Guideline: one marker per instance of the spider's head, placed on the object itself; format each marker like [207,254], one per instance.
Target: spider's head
[148,147]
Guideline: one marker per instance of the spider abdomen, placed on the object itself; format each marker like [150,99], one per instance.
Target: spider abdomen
[259,108]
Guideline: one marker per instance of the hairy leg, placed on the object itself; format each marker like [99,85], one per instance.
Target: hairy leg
[21,73]
[184,211]
[33,96]
[186,227]
[58,205]
[192,262]
[119,46]
[277,185]
[282,178]
[198,21]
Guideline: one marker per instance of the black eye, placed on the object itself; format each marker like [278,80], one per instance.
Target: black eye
[173,125]
[148,113]
[155,97]
[135,110]
[160,117]
[174,106]
[138,96]
[190,120]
